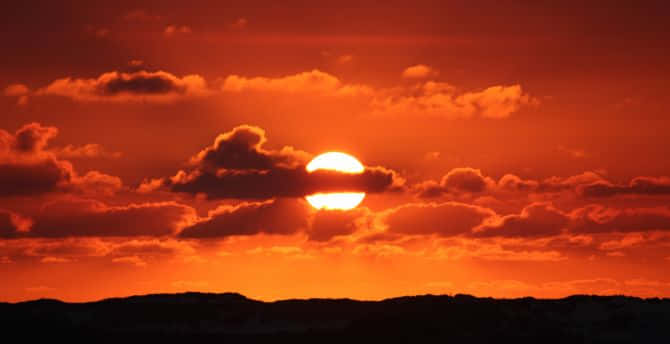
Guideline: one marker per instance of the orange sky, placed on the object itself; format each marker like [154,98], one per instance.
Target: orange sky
[511,148]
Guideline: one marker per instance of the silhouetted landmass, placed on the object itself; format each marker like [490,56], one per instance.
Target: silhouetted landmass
[193,317]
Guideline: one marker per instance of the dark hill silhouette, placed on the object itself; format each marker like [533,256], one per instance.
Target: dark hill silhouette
[193,317]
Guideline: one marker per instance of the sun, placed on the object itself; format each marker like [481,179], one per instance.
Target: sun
[341,162]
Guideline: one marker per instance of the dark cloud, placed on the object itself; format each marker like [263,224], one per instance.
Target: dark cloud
[280,216]
[119,86]
[33,137]
[8,224]
[458,180]
[237,166]
[327,224]
[600,219]
[242,149]
[33,178]
[27,168]
[638,186]
[87,218]
[444,219]
[535,220]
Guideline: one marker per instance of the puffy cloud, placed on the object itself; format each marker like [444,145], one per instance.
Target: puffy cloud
[327,224]
[419,71]
[33,137]
[28,179]
[132,260]
[27,168]
[20,91]
[535,220]
[237,166]
[90,150]
[597,218]
[280,216]
[242,148]
[171,30]
[16,90]
[637,186]
[136,86]
[444,219]
[314,81]
[11,224]
[88,218]
[443,100]
[462,179]
[239,24]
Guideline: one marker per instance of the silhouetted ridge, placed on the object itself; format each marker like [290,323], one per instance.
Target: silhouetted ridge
[189,317]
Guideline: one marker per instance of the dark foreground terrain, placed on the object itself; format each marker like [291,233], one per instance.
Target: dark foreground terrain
[193,317]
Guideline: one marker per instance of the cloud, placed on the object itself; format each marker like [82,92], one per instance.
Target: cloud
[442,100]
[88,218]
[242,148]
[429,98]
[462,179]
[327,224]
[27,168]
[141,85]
[314,81]
[419,71]
[596,218]
[237,166]
[444,219]
[345,59]
[16,90]
[91,150]
[33,138]
[171,30]
[239,24]
[10,224]
[57,260]
[535,220]
[650,186]
[281,216]
[132,260]
[20,91]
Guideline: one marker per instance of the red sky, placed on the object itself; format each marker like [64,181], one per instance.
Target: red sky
[511,148]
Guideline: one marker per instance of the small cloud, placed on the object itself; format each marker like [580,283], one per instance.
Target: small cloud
[20,91]
[575,153]
[39,289]
[56,260]
[419,71]
[135,63]
[16,90]
[91,150]
[133,260]
[345,59]
[174,29]
[432,156]
[239,24]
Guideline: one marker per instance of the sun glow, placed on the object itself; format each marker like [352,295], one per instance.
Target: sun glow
[340,162]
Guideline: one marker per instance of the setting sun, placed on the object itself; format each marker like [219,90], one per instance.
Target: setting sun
[340,162]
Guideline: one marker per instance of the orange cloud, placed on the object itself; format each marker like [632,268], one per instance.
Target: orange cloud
[419,71]
[314,81]
[27,167]
[137,86]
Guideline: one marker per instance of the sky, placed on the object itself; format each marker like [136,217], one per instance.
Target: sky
[511,148]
